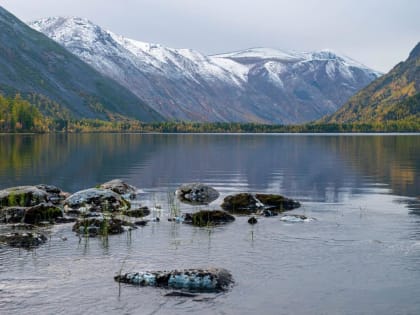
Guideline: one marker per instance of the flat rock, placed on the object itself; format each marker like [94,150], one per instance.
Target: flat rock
[196,194]
[100,226]
[195,280]
[296,218]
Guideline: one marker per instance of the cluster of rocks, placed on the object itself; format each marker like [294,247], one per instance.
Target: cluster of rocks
[107,209]
[93,210]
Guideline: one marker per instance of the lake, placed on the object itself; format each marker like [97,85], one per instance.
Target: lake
[360,256]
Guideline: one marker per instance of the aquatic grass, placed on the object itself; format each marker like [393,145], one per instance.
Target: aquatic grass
[174,206]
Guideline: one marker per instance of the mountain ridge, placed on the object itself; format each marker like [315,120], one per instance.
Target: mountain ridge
[183,84]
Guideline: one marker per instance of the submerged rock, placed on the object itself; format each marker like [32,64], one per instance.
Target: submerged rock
[96,200]
[196,194]
[120,187]
[137,213]
[246,203]
[208,217]
[293,218]
[196,280]
[23,239]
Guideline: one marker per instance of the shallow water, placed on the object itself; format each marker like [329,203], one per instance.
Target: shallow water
[360,256]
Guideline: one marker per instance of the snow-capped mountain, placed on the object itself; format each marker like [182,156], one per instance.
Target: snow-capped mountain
[259,85]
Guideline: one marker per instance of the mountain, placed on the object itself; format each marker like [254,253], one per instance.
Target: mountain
[37,67]
[394,96]
[256,85]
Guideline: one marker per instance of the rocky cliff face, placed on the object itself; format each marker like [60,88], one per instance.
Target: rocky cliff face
[256,85]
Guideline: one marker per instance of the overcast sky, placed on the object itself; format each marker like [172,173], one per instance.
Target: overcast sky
[378,33]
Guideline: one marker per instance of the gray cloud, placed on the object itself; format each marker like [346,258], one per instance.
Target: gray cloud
[379,33]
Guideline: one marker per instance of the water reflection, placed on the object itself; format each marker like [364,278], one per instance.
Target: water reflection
[311,167]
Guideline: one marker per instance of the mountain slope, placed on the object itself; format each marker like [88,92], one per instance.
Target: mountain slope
[256,85]
[33,64]
[394,96]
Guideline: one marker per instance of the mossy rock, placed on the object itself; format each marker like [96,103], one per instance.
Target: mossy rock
[100,226]
[243,203]
[277,202]
[42,212]
[208,217]
[137,213]
[22,196]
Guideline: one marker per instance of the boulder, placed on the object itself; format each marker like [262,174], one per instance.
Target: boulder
[100,226]
[246,203]
[120,187]
[277,202]
[243,203]
[196,280]
[208,217]
[23,239]
[196,194]
[22,196]
[95,200]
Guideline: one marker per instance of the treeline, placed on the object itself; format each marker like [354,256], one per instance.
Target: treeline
[18,115]
[194,127]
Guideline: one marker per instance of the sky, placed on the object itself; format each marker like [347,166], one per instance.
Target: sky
[377,33]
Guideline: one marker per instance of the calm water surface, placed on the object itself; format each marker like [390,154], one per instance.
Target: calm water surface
[361,255]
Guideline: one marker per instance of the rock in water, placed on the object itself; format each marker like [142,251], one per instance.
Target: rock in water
[277,202]
[120,187]
[196,194]
[295,218]
[252,220]
[196,280]
[22,196]
[208,217]
[243,203]
[246,203]
[96,200]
